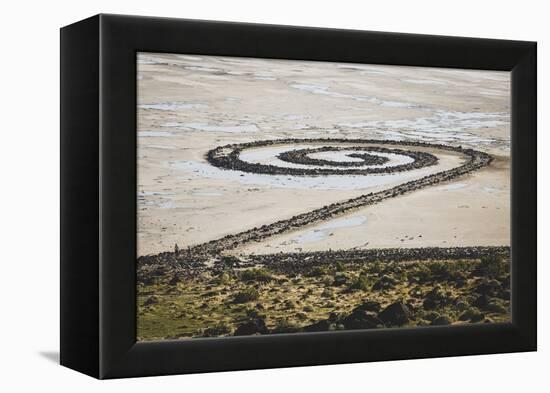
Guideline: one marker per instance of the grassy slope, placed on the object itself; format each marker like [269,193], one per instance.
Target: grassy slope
[216,303]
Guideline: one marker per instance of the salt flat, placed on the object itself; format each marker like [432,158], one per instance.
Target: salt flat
[188,105]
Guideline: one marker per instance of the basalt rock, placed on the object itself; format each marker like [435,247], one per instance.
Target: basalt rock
[386,282]
[442,320]
[481,301]
[435,298]
[253,326]
[321,326]
[490,288]
[150,300]
[362,319]
[368,305]
[472,314]
[396,314]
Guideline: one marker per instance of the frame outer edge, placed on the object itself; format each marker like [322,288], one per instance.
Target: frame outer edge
[121,37]
[117,165]
[79,275]
[524,180]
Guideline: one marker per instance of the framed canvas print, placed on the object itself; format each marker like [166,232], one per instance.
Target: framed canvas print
[238,196]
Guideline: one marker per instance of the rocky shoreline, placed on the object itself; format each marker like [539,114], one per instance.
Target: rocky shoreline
[294,264]
[305,262]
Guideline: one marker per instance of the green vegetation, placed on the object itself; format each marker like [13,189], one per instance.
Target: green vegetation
[221,329]
[256,275]
[246,295]
[493,266]
[335,296]
[319,271]
[361,283]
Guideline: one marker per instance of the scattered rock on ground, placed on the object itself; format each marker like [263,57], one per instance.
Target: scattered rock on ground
[442,320]
[253,326]
[396,314]
[150,300]
[360,318]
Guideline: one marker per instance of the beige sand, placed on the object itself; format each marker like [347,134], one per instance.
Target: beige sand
[458,213]
[191,104]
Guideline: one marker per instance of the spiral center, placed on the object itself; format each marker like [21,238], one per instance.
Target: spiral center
[307,156]
[333,157]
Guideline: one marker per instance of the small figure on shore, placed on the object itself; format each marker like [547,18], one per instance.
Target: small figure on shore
[176,248]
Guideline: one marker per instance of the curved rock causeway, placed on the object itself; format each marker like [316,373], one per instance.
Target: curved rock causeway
[228,157]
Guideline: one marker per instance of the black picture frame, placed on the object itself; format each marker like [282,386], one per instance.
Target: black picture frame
[98,195]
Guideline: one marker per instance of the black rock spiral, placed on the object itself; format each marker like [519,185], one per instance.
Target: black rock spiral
[228,157]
